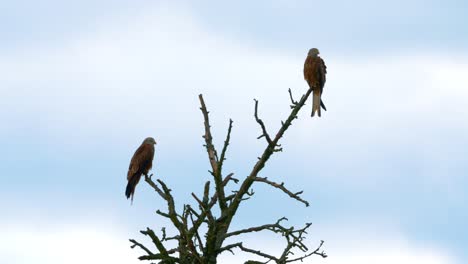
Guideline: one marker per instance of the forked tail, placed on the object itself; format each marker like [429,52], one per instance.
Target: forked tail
[316,103]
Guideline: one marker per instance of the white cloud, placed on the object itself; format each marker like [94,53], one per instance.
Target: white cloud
[77,243]
[138,76]
[148,69]
[164,57]
[132,66]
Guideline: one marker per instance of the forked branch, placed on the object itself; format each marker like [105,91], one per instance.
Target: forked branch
[293,102]
[293,237]
[262,125]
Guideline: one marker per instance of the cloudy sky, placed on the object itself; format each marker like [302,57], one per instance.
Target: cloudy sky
[82,83]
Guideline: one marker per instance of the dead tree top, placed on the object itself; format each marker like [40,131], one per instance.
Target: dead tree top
[194,247]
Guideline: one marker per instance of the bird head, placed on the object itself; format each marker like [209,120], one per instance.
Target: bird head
[314,52]
[149,140]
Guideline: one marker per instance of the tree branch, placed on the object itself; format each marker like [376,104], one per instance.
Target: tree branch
[264,158]
[281,187]
[197,235]
[294,238]
[154,186]
[163,253]
[136,244]
[262,125]
[276,227]
[294,103]
[206,211]
[226,144]
[245,249]
[213,156]
[315,252]
[171,207]
[229,178]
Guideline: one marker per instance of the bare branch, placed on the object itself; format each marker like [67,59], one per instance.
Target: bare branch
[163,214]
[229,178]
[294,103]
[157,242]
[226,144]
[284,189]
[276,227]
[206,192]
[206,211]
[201,217]
[213,200]
[213,156]
[294,239]
[197,235]
[136,244]
[262,125]
[164,259]
[245,249]
[315,252]
[264,158]
[171,207]
[154,186]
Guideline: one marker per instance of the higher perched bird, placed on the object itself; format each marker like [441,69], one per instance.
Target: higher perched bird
[141,163]
[314,73]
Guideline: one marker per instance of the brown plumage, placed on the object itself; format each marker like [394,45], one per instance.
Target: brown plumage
[314,73]
[141,163]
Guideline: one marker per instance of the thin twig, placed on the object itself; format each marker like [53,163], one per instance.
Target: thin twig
[262,125]
[245,249]
[226,144]
[284,189]
[135,243]
[294,103]
[276,227]
[315,252]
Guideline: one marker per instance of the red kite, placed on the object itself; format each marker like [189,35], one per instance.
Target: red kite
[141,163]
[314,73]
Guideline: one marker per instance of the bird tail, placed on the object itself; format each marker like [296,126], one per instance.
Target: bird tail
[130,190]
[316,103]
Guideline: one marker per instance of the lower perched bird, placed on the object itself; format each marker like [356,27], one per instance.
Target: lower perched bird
[314,73]
[141,163]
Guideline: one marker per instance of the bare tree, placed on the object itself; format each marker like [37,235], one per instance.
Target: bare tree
[190,246]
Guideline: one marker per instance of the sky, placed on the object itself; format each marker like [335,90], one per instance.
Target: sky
[82,83]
